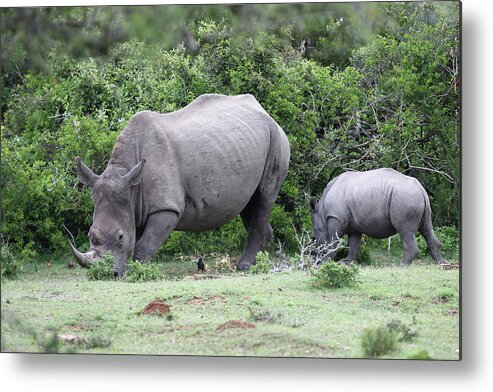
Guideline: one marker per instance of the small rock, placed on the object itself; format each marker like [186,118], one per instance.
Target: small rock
[68,338]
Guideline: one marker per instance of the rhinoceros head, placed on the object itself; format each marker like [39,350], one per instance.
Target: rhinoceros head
[319,229]
[113,227]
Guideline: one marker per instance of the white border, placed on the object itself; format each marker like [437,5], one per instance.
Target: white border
[473,373]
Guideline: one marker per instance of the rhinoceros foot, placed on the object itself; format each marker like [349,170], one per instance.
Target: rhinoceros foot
[244,264]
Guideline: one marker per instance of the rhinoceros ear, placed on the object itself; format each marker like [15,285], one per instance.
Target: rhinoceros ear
[313,203]
[134,176]
[85,175]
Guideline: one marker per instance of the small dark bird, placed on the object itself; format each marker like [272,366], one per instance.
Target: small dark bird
[200,264]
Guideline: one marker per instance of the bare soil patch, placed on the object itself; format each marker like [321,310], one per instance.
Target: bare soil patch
[200,300]
[235,324]
[68,338]
[205,276]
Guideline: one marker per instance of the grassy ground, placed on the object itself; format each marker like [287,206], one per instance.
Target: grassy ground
[56,309]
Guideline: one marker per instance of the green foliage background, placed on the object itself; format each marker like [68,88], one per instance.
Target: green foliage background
[355,87]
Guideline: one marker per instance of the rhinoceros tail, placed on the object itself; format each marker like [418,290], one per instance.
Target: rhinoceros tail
[425,224]
[426,230]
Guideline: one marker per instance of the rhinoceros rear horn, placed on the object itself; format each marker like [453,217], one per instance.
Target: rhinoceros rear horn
[84,259]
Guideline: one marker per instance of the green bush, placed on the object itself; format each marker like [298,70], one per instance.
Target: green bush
[11,265]
[259,313]
[405,332]
[364,256]
[95,340]
[450,239]
[262,263]
[103,268]
[229,239]
[378,341]
[142,272]
[334,275]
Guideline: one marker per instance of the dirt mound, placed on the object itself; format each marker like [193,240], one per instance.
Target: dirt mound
[156,307]
[235,324]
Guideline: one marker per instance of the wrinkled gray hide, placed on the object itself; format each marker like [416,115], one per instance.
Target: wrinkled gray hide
[192,170]
[378,203]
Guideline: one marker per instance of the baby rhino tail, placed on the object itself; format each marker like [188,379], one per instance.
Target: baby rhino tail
[426,230]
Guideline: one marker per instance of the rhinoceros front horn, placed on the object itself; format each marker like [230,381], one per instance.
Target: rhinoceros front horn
[84,259]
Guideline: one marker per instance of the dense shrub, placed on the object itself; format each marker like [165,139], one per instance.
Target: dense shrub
[229,239]
[102,269]
[364,255]
[404,331]
[334,275]
[378,341]
[450,239]
[394,105]
[142,272]
[262,264]
[10,264]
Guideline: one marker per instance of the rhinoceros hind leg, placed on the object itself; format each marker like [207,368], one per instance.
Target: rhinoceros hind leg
[256,214]
[247,215]
[410,246]
[255,219]
[433,244]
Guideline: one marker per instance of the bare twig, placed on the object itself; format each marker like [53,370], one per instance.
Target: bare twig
[312,252]
[68,231]
[442,173]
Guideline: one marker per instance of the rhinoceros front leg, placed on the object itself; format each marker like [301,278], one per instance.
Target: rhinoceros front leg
[158,227]
[354,240]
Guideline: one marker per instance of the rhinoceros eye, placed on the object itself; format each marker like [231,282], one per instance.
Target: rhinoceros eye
[119,236]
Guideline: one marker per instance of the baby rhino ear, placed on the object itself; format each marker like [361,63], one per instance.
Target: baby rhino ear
[313,203]
[134,176]
[84,174]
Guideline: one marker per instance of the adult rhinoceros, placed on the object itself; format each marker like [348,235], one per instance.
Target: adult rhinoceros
[190,170]
[378,203]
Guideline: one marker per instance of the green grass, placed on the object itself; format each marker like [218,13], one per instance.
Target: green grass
[287,316]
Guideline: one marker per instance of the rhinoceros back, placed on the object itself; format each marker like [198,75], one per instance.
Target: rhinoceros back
[204,161]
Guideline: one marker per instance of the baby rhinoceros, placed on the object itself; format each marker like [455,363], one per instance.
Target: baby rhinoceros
[378,203]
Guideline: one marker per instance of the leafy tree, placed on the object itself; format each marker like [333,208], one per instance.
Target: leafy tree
[392,102]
